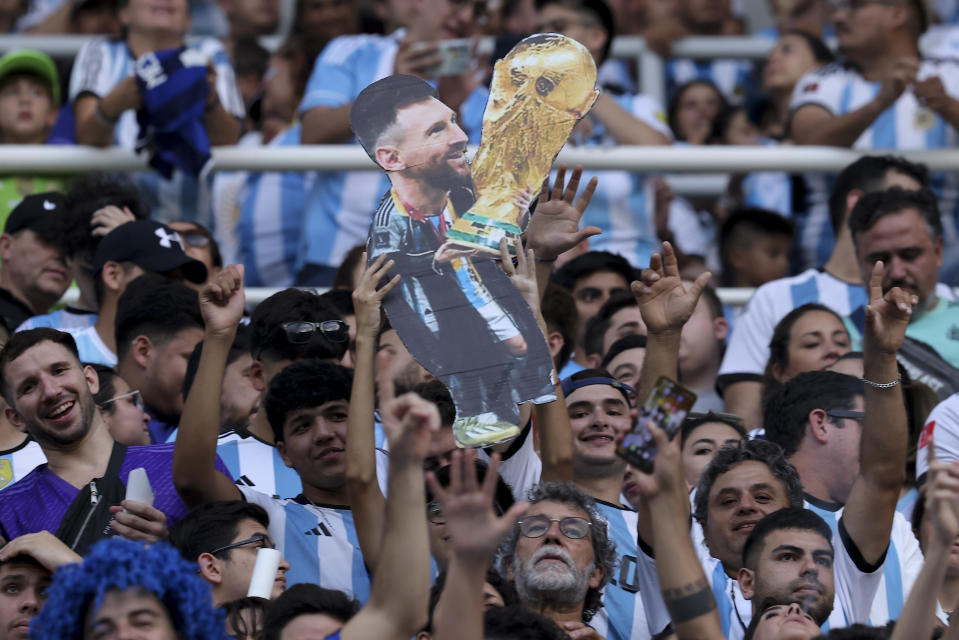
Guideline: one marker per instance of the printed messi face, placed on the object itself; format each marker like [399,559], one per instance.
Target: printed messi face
[429,144]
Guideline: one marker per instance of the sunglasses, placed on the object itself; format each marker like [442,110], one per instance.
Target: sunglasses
[846,413]
[572,527]
[302,331]
[135,399]
[196,239]
[267,544]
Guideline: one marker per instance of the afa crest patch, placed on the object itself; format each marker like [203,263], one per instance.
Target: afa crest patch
[6,473]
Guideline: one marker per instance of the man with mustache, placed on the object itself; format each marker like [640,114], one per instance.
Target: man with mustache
[559,557]
[904,230]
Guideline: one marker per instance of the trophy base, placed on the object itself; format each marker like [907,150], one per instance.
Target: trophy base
[482,233]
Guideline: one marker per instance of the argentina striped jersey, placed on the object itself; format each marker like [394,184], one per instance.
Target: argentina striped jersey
[19,461]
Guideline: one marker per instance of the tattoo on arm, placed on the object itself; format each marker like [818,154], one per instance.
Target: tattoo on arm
[689,601]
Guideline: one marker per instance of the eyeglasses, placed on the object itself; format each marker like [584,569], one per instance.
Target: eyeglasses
[434,513]
[846,413]
[267,544]
[195,239]
[571,527]
[302,331]
[135,399]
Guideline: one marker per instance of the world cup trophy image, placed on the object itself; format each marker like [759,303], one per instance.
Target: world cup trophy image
[539,91]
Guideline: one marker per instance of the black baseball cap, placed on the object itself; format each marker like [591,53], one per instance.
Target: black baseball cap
[37,212]
[150,245]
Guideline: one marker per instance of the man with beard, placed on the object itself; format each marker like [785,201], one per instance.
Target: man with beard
[79,493]
[455,317]
[559,556]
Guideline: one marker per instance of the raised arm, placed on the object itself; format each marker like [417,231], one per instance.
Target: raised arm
[872,501]
[624,126]
[475,532]
[97,117]
[554,226]
[194,456]
[399,598]
[555,434]
[918,617]
[686,592]
[365,495]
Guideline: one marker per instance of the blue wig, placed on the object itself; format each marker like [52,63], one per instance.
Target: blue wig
[118,563]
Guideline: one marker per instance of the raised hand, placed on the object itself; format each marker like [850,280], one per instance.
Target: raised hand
[887,315]
[139,521]
[665,302]
[666,480]
[367,299]
[554,226]
[942,498]
[901,75]
[474,528]
[108,218]
[523,273]
[931,93]
[222,300]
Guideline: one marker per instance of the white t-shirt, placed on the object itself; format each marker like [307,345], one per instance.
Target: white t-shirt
[944,421]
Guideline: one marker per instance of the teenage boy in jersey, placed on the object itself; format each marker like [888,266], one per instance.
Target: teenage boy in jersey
[306,407]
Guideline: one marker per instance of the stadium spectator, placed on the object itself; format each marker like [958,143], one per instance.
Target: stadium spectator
[107,96]
[95,205]
[340,205]
[122,587]
[618,317]
[29,99]
[245,617]
[754,247]
[623,204]
[26,566]
[591,279]
[796,53]
[319,21]
[813,18]
[624,360]
[815,417]
[701,436]
[222,539]
[915,106]
[86,466]
[559,312]
[269,206]
[199,244]
[121,408]
[580,540]
[158,324]
[239,400]
[693,110]
[34,273]
[730,76]
[249,19]
[701,345]
[904,230]
[838,285]
[123,255]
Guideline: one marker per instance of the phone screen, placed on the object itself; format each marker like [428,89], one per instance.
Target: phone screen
[667,406]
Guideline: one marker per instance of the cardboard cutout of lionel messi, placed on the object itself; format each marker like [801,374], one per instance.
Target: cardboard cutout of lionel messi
[455,309]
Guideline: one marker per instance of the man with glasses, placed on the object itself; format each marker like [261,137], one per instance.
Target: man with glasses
[559,556]
[223,539]
[199,244]
[817,419]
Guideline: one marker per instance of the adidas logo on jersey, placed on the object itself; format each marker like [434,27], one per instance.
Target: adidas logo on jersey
[245,482]
[319,530]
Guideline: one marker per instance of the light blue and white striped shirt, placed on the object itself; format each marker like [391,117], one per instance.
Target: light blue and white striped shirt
[906,125]
[67,319]
[99,66]
[271,219]
[257,465]
[748,348]
[319,542]
[92,349]
[340,205]
[732,77]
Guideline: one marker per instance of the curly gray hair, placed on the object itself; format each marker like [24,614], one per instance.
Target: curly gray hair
[604,549]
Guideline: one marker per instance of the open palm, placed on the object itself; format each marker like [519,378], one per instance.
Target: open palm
[665,302]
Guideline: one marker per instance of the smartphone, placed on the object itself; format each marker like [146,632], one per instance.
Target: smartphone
[455,54]
[667,406]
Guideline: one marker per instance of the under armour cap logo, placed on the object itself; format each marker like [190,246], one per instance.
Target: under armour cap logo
[167,238]
[49,206]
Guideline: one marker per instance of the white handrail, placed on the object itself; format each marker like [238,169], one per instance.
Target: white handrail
[51,159]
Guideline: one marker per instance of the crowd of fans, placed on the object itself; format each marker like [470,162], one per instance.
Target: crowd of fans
[813,491]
